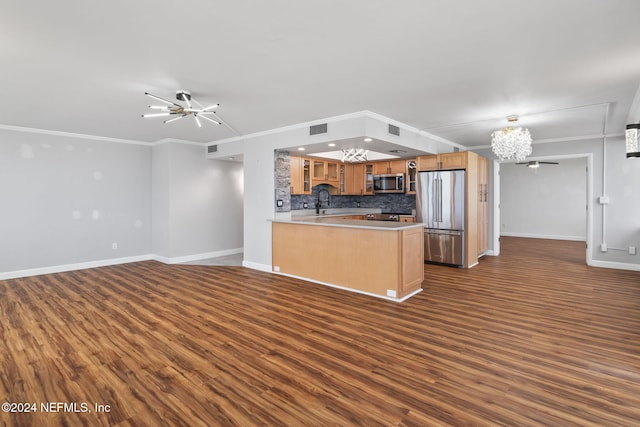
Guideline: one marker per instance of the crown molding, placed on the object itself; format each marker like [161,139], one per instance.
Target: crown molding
[71,135]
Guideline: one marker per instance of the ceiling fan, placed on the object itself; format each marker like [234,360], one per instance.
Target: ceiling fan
[181,111]
[536,164]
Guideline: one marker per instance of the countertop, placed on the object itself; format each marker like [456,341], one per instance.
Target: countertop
[331,220]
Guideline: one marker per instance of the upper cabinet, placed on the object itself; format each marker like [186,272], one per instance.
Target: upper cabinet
[389,167]
[325,172]
[457,160]
[351,179]
[300,175]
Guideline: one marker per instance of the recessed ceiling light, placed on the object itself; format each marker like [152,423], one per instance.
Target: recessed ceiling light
[332,144]
[368,139]
[300,148]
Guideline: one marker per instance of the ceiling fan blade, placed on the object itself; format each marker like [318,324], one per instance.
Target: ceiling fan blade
[175,118]
[161,99]
[195,116]
[211,120]
[549,163]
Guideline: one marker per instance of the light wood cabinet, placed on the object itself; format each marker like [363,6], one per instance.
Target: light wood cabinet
[483,205]
[407,218]
[325,172]
[389,167]
[456,160]
[368,178]
[300,175]
[395,269]
[351,179]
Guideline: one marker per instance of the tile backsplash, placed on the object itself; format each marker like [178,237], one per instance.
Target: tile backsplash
[400,203]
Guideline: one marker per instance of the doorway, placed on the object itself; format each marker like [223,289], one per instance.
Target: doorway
[516,216]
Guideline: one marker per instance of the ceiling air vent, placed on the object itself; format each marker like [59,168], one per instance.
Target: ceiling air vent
[212,148]
[318,129]
[394,130]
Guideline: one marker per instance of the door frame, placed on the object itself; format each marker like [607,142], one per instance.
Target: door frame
[589,184]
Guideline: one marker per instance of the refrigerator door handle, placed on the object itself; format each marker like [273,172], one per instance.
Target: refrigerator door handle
[440,200]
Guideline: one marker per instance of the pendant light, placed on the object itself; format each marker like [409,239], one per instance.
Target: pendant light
[631,137]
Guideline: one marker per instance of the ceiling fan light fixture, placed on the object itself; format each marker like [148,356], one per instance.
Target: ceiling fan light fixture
[511,142]
[632,141]
[181,111]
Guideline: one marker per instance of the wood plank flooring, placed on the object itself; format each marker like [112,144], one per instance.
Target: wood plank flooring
[530,338]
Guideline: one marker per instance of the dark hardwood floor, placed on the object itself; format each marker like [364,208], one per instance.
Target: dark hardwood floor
[532,337]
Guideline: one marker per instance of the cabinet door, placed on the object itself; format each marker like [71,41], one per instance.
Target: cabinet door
[332,171]
[380,168]
[296,175]
[318,170]
[306,175]
[368,178]
[427,163]
[453,160]
[398,166]
[357,179]
[483,205]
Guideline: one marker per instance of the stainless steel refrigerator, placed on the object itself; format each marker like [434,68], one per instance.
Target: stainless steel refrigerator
[440,206]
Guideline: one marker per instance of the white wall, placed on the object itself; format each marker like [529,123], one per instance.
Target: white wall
[65,200]
[545,202]
[617,224]
[197,203]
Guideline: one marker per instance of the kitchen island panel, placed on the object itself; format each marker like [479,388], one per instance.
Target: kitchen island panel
[376,262]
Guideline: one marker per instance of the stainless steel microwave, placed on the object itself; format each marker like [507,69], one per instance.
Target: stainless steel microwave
[388,183]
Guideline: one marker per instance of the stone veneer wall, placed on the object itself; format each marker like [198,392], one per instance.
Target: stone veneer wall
[282,178]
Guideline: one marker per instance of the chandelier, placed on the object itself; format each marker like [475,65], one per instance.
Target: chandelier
[354,155]
[176,111]
[511,142]
[632,140]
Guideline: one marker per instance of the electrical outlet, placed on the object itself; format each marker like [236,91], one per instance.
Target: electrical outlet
[276,268]
[632,250]
[603,247]
[391,293]
[114,245]
[279,203]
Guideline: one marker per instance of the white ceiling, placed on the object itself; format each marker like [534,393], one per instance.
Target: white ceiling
[453,68]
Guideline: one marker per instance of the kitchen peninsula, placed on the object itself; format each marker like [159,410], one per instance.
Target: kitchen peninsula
[378,258]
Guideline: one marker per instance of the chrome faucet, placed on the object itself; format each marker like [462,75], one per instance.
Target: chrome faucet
[319,201]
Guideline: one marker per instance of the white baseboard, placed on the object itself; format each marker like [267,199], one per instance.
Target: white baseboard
[344,288]
[114,261]
[544,236]
[257,266]
[197,257]
[70,267]
[616,265]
